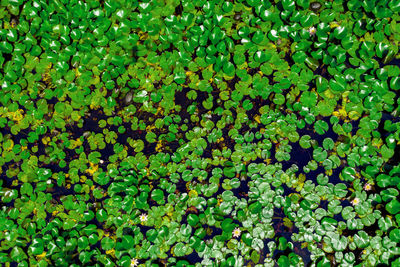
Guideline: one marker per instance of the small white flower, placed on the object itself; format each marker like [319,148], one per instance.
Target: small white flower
[367,187]
[134,262]
[312,31]
[101,161]
[236,232]
[355,201]
[143,217]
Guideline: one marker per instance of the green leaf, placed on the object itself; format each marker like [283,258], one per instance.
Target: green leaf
[348,174]
[151,137]
[229,69]
[17,254]
[393,207]
[43,174]
[107,243]
[283,261]
[395,83]
[255,256]
[94,157]
[193,220]
[308,99]
[321,127]
[157,195]
[101,178]
[340,190]
[180,249]
[387,153]
[361,239]
[395,235]
[329,224]
[328,143]
[320,154]
[27,189]
[83,242]
[180,77]
[339,243]
[305,141]
[151,235]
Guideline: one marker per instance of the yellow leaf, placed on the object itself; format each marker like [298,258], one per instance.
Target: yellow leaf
[287,222]
[77,73]
[343,112]
[45,140]
[193,193]
[328,93]
[159,146]
[78,142]
[334,24]
[83,179]
[40,256]
[159,110]
[17,115]
[93,168]
[354,115]
[268,161]
[150,127]
[110,252]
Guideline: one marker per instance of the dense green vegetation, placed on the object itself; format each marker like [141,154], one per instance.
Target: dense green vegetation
[199,133]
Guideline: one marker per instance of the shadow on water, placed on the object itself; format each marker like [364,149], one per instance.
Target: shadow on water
[242,190]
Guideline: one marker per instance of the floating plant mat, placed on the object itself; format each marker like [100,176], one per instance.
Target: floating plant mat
[199,133]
